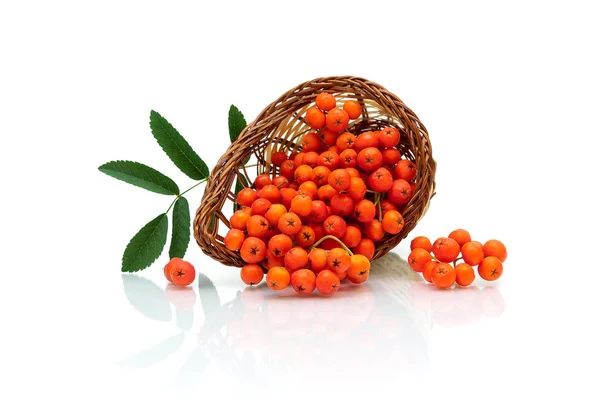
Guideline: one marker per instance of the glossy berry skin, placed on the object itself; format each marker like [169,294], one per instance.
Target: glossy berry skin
[443,276]
[183,273]
[445,249]
[172,263]
[327,282]
[251,274]
[303,281]
[295,259]
[465,275]
[278,278]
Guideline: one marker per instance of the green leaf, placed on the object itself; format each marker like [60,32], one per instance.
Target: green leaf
[177,148]
[237,123]
[147,245]
[140,175]
[181,228]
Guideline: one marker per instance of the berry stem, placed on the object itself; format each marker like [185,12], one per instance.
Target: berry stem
[334,238]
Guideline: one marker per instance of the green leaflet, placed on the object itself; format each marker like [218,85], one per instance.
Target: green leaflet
[177,148]
[147,245]
[140,175]
[181,228]
[237,123]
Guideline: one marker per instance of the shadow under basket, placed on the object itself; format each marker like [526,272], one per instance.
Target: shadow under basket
[281,127]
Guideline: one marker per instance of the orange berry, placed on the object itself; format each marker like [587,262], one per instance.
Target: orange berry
[315,118]
[260,207]
[320,175]
[281,182]
[303,173]
[341,204]
[359,268]
[472,253]
[357,189]
[495,248]
[253,250]
[364,140]
[317,260]
[262,181]
[329,137]
[329,159]
[405,169]
[289,223]
[369,159]
[274,213]
[278,278]
[443,275]
[287,169]
[335,225]
[182,273]
[352,236]
[445,249]
[278,157]
[400,192]
[234,239]
[167,269]
[246,197]
[327,282]
[304,281]
[239,219]
[295,259]
[257,226]
[325,101]
[319,212]
[287,194]
[348,158]
[301,205]
[465,275]
[345,141]
[280,244]
[271,193]
[393,222]
[364,211]
[428,268]
[374,230]
[338,260]
[461,236]
[418,258]
[339,179]
[390,156]
[389,137]
[366,247]
[381,180]
[337,120]
[353,108]
[251,274]
[306,236]
[326,192]
[311,142]
[421,242]
[491,268]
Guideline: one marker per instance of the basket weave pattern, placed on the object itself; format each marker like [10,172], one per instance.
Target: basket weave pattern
[280,127]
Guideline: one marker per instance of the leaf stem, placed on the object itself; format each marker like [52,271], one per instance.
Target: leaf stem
[202,181]
[184,192]
[334,238]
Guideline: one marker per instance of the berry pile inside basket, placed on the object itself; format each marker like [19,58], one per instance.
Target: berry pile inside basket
[318,221]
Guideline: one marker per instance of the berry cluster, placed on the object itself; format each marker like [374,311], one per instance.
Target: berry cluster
[316,219]
[436,269]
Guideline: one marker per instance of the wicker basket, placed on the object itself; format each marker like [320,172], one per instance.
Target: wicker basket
[280,127]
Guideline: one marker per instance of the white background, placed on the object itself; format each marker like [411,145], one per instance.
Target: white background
[509,93]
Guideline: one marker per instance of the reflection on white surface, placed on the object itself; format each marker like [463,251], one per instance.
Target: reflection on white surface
[383,324]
